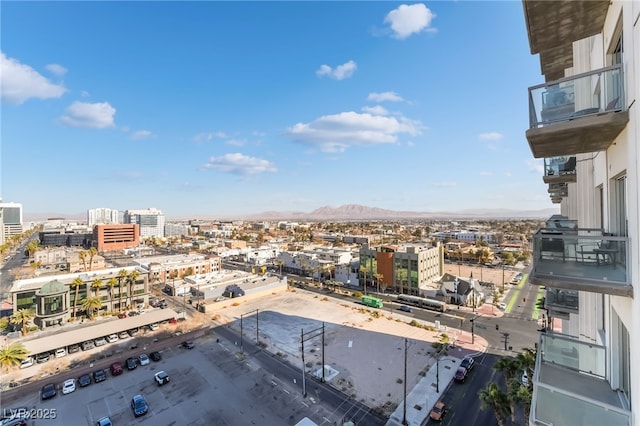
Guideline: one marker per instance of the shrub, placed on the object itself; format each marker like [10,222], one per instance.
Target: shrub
[357,294]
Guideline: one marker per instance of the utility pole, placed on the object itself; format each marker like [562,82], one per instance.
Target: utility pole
[323,379]
[307,336]
[404,404]
[437,374]
[506,340]
[304,385]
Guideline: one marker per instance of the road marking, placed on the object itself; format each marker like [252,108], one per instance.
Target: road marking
[274,383]
[305,404]
[286,391]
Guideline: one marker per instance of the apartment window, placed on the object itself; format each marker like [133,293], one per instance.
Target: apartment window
[625,360]
[619,224]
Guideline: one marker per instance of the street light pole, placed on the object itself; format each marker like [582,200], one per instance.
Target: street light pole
[404,404]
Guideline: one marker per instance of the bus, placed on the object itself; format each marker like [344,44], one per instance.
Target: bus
[373,302]
[423,302]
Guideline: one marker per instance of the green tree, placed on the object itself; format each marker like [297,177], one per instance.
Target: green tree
[95,285]
[122,277]
[32,247]
[133,276]
[13,354]
[493,397]
[525,393]
[76,284]
[90,305]
[83,256]
[111,283]
[4,323]
[508,366]
[22,317]
[92,252]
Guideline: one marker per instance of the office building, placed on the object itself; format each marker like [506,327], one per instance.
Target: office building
[116,237]
[151,222]
[584,123]
[102,216]
[11,219]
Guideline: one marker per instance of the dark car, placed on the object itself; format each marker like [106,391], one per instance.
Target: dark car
[468,363]
[139,405]
[133,331]
[99,376]
[73,349]
[438,411]
[188,344]
[116,369]
[122,315]
[405,308]
[44,357]
[84,380]
[131,364]
[133,313]
[48,391]
[163,305]
[461,374]
[155,356]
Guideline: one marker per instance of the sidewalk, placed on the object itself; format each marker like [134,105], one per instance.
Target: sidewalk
[424,395]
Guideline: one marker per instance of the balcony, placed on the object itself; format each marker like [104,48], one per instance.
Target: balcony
[570,385]
[559,170]
[577,114]
[581,259]
[561,302]
[558,190]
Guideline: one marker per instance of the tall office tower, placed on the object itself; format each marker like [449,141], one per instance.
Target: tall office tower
[1,225]
[102,216]
[11,218]
[151,222]
[585,124]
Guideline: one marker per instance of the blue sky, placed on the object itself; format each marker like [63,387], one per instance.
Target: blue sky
[231,108]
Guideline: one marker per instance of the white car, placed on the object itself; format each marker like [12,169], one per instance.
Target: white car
[27,363]
[161,378]
[525,378]
[153,326]
[502,306]
[60,352]
[112,338]
[144,359]
[68,386]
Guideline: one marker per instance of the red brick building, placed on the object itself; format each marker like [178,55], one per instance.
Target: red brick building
[116,237]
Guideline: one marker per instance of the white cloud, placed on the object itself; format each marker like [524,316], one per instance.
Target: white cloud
[406,20]
[336,133]
[84,94]
[384,96]
[20,82]
[142,134]
[82,114]
[491,136]
[340,72]
[445,184]
[236,142]
[207,136]
[536,165]
[486,173]
[376,110]
[56,69]
[240,164]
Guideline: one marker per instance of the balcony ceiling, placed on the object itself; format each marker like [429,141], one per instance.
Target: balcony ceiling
[554,25]
[570,177]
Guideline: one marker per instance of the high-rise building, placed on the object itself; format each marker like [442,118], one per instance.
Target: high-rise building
[102,216]
[151,222]
[585,124]
[11,218]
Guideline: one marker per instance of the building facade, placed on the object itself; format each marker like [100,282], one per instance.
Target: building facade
[584,123]
[116,237]
[151,222]
[11,219]
[102,216]
[407,268]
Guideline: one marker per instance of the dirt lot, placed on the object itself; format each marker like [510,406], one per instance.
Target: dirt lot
[482,274]
[364,346]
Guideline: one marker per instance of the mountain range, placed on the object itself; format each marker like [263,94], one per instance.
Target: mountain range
[344,212]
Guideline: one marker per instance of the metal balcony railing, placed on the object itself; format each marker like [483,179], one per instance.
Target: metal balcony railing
[570,385]
[560,169]
[581,259]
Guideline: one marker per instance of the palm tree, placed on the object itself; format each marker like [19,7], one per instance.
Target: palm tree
[122,276]
[32,247]
[90,305]
[513,388]
[524,396]
[76,284]
[493,397]
[83,256]
[378,277]
[508,366]
[133,276]
[95,285]
[22,317]
[113,281]
[92,252]
[12,354]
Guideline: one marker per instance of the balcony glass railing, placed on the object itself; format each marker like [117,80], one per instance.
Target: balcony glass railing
[562,298]
[570,386]
[559,166]
[590,93]
[581,259]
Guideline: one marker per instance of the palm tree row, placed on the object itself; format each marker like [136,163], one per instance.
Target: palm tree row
[124,278]
[505,403]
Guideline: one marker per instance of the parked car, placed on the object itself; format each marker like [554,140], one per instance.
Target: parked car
[461,374]
[188,344]
[123,335]
[73,348]
[154,326]
[26,363]
[84,380]
[132,364]
[99,376]
[59,353]
[68,386]
[502,306]
[88,345]
[122,315]
[438,411]
[468,363]
[163,305]
[155,356]
[143,359]
[43,357]
[48,391]
[139,405]
[101,341]
[116,369]
[105,421]
[525,378]
[161,377]
[133,331]
[112,338]
[133,313]
[405,308]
